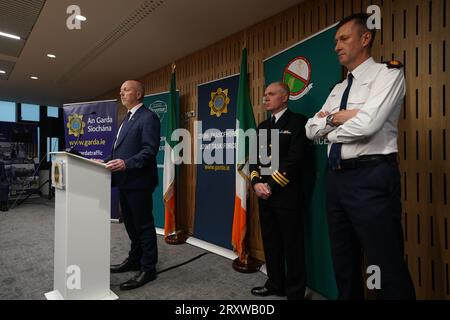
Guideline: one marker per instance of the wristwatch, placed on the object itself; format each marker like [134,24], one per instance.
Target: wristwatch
[330,120]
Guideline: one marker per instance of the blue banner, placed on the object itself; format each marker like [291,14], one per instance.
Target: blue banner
[90,128]
[215,172]
[158,104]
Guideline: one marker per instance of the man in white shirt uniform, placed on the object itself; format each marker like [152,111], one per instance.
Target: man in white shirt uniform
[359,119]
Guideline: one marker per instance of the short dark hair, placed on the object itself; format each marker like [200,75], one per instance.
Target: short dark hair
[360,19]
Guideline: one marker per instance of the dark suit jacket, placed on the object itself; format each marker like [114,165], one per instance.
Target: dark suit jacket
[286,181]
[138,146]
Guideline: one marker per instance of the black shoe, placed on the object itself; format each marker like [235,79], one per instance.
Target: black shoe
[138,280]
[124,267]
[264,292]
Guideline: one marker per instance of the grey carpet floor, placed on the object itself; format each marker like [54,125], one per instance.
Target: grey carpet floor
[26,263]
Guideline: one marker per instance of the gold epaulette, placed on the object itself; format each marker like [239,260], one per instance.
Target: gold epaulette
[254,174]
[394,64]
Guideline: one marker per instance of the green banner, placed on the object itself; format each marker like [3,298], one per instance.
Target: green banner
[311,69]
[158,103]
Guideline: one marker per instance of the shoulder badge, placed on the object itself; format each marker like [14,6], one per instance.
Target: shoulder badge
[394,64]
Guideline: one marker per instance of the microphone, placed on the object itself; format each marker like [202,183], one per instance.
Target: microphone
[72,150]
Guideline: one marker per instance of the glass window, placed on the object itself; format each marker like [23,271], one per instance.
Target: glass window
[30,112]
[52,112]
[52,145]
[7,111]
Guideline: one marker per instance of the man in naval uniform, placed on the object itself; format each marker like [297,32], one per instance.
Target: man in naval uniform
[280,195]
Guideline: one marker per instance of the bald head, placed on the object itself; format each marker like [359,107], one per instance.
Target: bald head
[131,93]
[138,86]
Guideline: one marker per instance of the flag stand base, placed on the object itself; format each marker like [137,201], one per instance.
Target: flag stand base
[251,266]
[177,238]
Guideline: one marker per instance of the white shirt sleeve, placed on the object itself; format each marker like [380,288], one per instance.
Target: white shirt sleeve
[386,92]
[317,127]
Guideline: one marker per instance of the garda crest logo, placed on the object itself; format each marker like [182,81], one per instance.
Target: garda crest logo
[219,102]
[76,125]
[160,108]
[297,75]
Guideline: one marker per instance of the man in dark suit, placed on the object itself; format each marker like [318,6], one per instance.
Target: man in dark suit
[280,196]
[133,163]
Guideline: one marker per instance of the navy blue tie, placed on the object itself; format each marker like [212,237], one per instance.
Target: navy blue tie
[334,159]
[124,124]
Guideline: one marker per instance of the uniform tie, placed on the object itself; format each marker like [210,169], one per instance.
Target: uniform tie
[334,159]
[273,120]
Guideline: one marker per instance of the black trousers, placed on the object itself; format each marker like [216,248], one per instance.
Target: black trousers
[283,240]
[139,223]
[364,216]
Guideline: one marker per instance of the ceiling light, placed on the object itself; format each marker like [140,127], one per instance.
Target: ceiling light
[8,35]
[80,17]
[34,77]
[51,56]
[2,71]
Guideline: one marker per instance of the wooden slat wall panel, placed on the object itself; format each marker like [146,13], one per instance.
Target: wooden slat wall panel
[419,36]
[415,32]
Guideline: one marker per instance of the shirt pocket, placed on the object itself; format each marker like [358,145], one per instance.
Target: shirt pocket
[358,98]
[334,102]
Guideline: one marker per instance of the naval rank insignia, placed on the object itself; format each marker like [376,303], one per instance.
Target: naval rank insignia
[394,64]
[219,102]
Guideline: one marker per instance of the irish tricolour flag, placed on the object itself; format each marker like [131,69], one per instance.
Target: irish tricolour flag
[244,120]
[169,179]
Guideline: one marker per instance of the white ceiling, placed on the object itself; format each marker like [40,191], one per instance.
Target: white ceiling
[121,39]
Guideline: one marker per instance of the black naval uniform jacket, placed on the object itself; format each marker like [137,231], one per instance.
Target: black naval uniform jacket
[285,182]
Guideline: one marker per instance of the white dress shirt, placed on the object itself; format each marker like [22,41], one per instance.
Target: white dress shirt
[279,114]
[378,92]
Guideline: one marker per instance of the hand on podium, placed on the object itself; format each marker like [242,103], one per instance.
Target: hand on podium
[116,165]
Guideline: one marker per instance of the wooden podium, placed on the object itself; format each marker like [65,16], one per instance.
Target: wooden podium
[82,228]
